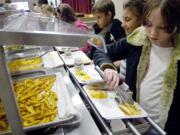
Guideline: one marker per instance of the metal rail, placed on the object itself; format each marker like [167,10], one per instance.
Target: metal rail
[162,132]
[131,127]
[7,96]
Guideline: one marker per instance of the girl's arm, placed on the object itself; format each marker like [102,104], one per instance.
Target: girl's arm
[115,51]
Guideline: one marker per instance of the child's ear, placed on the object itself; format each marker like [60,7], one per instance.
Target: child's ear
[109,14]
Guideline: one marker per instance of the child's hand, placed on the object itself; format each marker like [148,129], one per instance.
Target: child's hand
[112,78]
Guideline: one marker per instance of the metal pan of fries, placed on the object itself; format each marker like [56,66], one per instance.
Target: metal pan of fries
[43,102]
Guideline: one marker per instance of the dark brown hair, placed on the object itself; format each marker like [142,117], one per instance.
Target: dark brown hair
[104,6]
[41,2]
[8,1]
[169,11]
[136,6]
[66,13]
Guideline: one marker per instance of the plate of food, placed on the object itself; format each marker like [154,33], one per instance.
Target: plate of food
[105,103]
[98,42]
[86,75]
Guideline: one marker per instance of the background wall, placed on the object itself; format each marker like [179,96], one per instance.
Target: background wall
[30,2]
[118,6]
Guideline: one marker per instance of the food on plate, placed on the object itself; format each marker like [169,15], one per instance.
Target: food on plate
[37,102]
[129,109]
[23,64]
[82,75]
[96,41]
[98,94]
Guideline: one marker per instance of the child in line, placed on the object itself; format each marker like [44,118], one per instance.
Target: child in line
[106,25]
[132,15]
[66,13]
[37,7]
[132,18]
[47,10]
[153,63]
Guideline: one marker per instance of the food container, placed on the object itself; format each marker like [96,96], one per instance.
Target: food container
[27,64]
[30,102]
[21,51]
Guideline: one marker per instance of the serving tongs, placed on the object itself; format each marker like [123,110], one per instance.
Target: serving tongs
[122,97]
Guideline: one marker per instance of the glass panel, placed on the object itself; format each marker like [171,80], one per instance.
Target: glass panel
[35,25]
[7,17]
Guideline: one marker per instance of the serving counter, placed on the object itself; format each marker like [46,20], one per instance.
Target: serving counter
[30,29]
[38,30]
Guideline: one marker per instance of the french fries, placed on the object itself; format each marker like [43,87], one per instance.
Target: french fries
[3,119]
[129,109]
[37,102]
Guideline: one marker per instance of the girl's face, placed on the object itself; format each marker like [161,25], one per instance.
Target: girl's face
[130,21]
[156,29]
[103,19]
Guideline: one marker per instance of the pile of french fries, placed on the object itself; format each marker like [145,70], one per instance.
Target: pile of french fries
[37,102]
[129,109]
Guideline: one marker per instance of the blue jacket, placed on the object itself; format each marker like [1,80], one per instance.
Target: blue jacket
[113,33]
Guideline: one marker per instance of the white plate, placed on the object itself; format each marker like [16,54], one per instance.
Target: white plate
[90,70]
[52,60]
[108,108]
[78,54]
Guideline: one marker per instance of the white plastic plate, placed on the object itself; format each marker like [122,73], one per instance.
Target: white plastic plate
[52,60]
[108,107]
[78,54]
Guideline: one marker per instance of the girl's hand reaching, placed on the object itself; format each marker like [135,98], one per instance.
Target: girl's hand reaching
[112,78]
